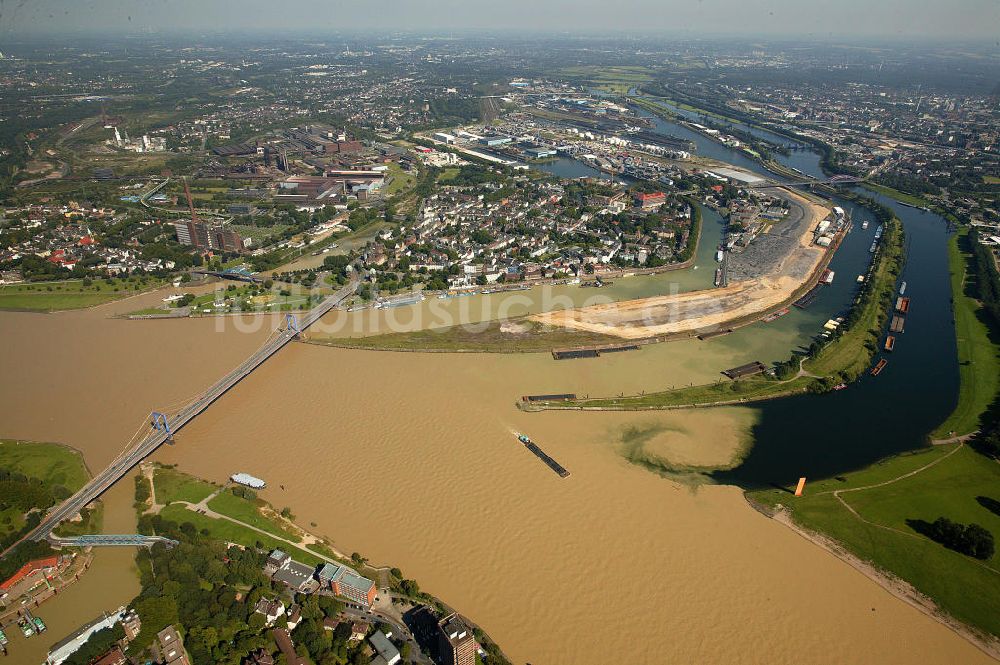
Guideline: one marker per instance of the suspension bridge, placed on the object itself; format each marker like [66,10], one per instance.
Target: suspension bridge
[164,425]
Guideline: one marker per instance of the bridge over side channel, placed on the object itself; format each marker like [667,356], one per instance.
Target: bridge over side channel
[125,462]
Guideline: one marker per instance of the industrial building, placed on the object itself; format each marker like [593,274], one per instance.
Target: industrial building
[493,141]
[387,652]
[332,184]
[539,153]
[210,237]
[63,649]
[650,201]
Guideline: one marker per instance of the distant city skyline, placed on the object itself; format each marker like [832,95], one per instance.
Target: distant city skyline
[846,20]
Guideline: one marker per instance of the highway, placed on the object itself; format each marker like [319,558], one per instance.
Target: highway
[121,465]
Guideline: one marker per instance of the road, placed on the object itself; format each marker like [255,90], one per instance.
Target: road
[109,476]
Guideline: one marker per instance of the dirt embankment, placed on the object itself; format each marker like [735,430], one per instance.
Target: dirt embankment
[710,309]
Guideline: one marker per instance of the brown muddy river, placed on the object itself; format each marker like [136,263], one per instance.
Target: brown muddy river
[410,459]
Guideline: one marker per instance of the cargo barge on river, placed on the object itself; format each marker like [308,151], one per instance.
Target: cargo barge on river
[549,462]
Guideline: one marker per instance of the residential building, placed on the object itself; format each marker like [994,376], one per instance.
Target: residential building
[259,657]
[284,642]
[456,642]
[358,631]
[113,657]
[132,624]
[168,649]
[271,608]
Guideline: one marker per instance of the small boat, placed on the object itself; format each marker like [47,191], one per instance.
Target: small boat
[864,224]
[861,279]
[828,276]
[39,625]
[879,367]
[902,288]
[840,386]
[3,638]
[774,316]
[890,342]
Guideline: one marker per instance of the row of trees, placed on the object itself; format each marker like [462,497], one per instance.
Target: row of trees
[987,275]
[970,539]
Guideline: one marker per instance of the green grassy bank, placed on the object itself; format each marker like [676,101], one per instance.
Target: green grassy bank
[978,354]
[893,499]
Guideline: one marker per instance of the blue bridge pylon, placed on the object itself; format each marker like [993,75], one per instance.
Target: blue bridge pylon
[161,423]
[291,323]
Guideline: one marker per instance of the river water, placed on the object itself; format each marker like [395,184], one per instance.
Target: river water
[411,460]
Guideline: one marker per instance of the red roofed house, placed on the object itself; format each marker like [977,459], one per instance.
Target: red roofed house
[48,566]
[650,201]
[86,240]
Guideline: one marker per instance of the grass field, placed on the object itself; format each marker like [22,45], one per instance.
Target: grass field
[52,463]
[959,485]
[492,339]
[449,173]
[898,195]
[234,533]
[399,180]
[69,294]
[978,354]
[171,485]
[244,510]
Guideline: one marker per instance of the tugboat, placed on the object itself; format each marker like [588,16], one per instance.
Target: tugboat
[25,627]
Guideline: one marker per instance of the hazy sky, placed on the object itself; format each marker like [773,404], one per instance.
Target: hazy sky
[831,19]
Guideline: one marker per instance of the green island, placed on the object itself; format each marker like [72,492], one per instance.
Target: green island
[34,477]
[978,344]
[71,294]
[516,335]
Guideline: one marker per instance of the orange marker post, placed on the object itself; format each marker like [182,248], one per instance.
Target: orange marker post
[801,486]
